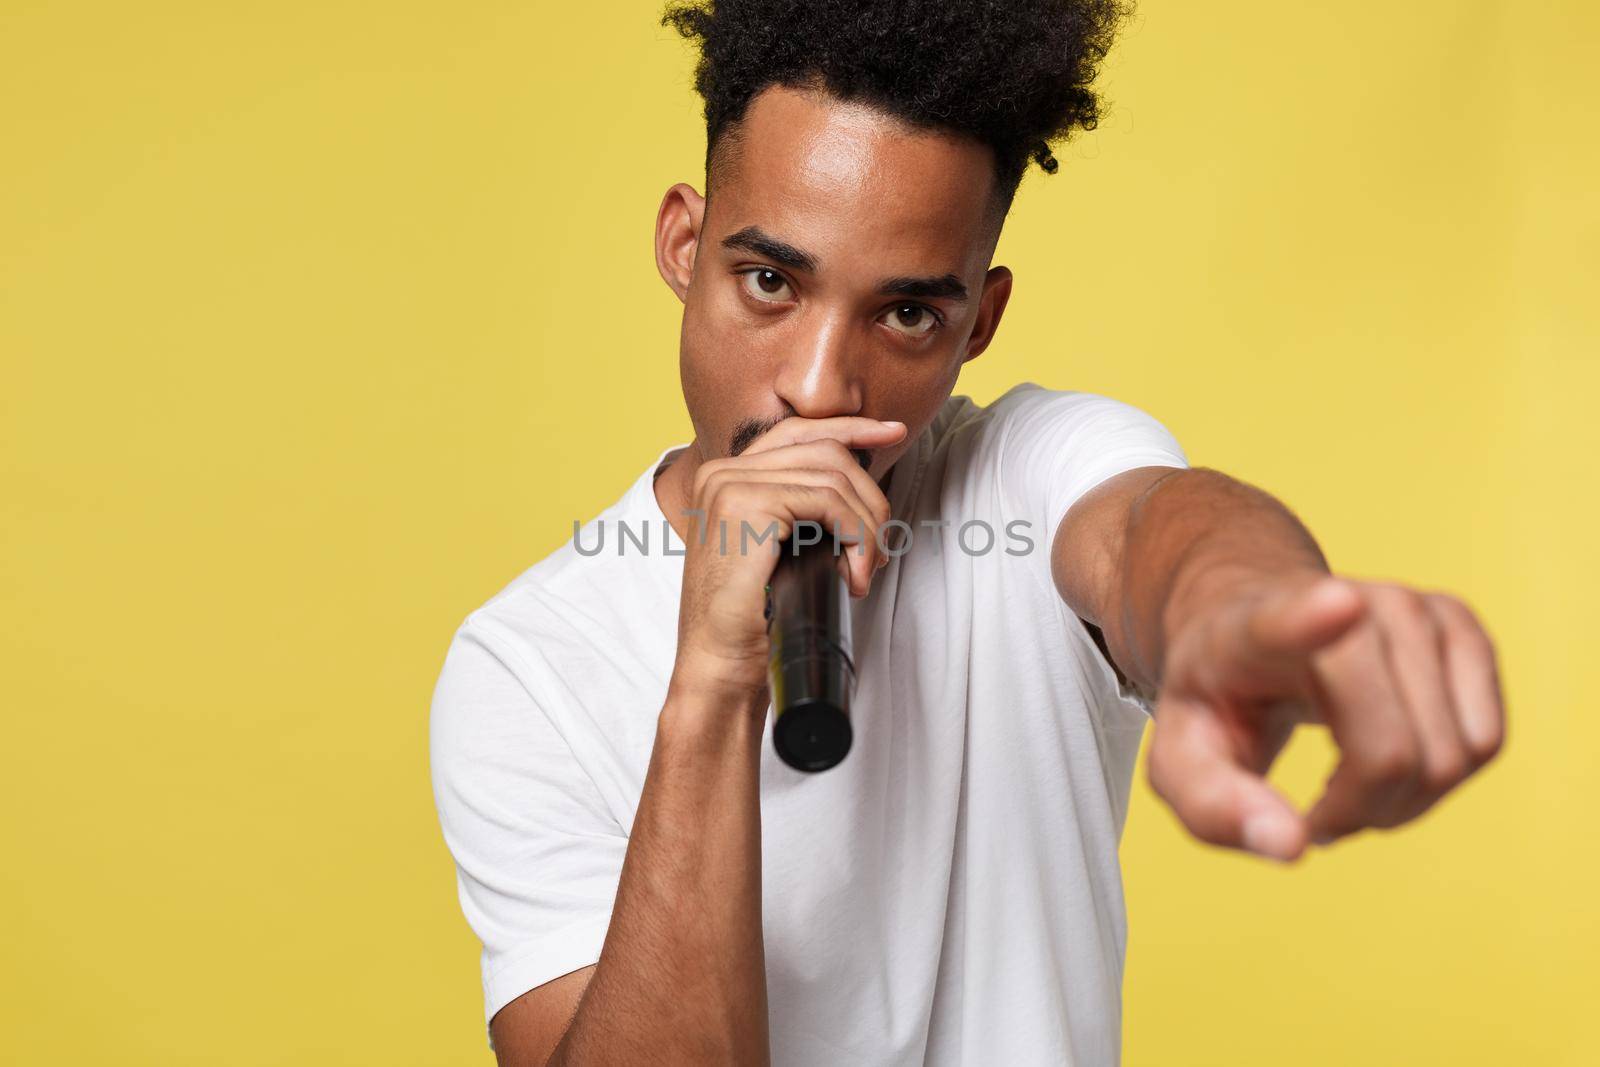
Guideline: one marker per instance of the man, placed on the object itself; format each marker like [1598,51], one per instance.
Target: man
[650,883]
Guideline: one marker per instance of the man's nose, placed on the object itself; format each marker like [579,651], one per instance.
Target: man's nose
[818,377]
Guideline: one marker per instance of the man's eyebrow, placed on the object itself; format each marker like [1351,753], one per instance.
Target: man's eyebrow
[754,239]
[946,287]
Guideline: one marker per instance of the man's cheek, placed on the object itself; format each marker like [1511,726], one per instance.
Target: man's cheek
[742,362]
[718,336]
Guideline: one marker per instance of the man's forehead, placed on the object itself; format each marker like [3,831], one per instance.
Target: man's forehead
[808,167]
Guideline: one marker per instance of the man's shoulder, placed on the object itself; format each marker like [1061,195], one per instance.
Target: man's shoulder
[976,432]
[1033,450]
[1026,399]
[962,418]
[1028,411]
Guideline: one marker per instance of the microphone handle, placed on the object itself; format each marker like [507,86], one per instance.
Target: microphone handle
[811,672]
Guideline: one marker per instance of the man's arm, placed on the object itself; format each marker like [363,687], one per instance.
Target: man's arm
[681,976]
[1212,593]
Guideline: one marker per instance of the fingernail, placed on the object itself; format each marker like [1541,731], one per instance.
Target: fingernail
[1270,836]
[892,425]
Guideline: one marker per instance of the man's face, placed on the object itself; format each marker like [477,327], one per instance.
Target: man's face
[841,268]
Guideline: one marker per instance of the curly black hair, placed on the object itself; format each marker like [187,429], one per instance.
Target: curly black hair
[1014,74]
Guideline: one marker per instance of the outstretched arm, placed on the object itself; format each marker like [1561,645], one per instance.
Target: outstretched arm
[1215,598]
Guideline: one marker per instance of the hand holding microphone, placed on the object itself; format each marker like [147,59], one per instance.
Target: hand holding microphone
[747,504]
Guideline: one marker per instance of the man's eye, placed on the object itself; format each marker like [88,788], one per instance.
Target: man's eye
[913,320]
[767,285]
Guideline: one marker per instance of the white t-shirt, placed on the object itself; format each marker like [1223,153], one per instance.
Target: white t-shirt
[950,893]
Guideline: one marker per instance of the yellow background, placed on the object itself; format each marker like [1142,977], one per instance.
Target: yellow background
[321,321]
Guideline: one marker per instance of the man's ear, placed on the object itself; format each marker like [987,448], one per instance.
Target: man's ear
[678,236]
[991,305]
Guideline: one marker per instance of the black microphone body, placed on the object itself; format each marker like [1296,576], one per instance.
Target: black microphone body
[811,672]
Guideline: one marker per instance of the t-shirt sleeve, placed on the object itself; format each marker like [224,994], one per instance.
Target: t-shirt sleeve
[1056,445]
[536,852]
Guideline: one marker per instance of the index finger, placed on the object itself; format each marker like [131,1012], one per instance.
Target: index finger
[850,430]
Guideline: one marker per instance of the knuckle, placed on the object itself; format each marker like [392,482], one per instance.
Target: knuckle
[1391,761]
[1462,623]
[711,499]
[835,451]
[1451,606]
[732,498]
[1409,611]
[708,482]
[1444,771]
[1483,749]
[709,468]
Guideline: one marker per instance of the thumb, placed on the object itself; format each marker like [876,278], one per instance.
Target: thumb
[1195,768]
[1304,618]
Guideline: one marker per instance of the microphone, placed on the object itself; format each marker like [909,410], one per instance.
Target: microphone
[811,671]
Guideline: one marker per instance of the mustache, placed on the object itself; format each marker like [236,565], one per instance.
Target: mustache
[747,431]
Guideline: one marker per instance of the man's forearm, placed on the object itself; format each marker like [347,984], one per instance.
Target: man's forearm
[1189,538]
[681,977]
